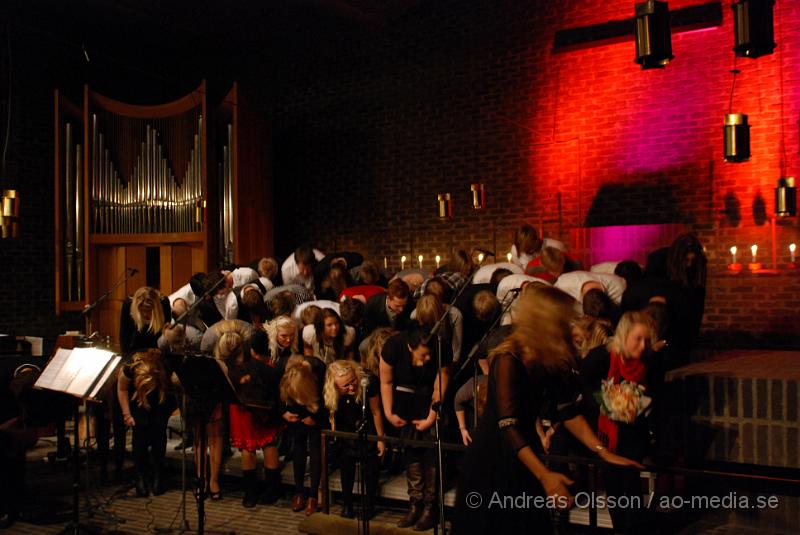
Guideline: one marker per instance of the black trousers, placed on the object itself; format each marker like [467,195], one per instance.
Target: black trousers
[107,415]
[347,469]
[150,439]
[307,443]
[12,471]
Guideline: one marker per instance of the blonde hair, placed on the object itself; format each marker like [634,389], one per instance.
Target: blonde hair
[541,333]
[151,296]
[595,332]
[375,347]
[338,368]
[309,314]
[616,343]
[299,384]
[149,375]
[229,347]
[282,323]
[429,310]
[268,268]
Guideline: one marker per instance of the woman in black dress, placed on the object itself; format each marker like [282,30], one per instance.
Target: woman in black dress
[344,395]
[502,463]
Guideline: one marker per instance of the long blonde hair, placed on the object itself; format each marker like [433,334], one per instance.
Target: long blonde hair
[616,343]
[299,384]
[541,334]
[375,347]
[149,295]
[338,368]
[149,375]
[281,322]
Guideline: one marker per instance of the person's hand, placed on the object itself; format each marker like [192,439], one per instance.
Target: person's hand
[309,421]
[658,346]
[423,425]
[465,436]
[381,448]
[129,421]
[396,421]
[613,458]
[290,417]
[555,487]
[545,437]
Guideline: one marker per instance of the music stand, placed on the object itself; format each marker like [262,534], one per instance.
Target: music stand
[81,373]
[206,384]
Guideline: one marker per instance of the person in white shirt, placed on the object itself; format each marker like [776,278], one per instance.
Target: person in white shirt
[321,303]
[528,245]
[505,292]
[299,267]
[484,273]
[579,283]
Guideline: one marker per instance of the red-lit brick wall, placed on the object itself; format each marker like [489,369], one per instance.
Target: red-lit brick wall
[457,92]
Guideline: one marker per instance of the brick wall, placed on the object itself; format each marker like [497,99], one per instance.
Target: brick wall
[370,127]
[461,92]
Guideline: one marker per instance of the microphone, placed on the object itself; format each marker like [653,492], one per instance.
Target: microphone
[364,386]
[132,271]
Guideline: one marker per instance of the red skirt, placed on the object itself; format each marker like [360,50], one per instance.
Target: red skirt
[251,433]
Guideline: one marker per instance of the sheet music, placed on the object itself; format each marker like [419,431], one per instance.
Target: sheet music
[87,363]
[49,377]
[109,371]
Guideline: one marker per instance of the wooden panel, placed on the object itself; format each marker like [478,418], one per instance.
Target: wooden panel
[136,257]
[110,266]
[199,260]
[165,263]
[146,239]
[182,266]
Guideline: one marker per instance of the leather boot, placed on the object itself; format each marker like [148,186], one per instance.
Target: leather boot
[272,486]
[159,482]
[141,486]
[428,518]
[414,511]
[250,488]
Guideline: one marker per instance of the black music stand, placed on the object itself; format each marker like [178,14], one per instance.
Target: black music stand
[206,385]
[81,373]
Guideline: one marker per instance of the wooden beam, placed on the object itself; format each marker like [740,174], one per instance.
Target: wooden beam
[614,31]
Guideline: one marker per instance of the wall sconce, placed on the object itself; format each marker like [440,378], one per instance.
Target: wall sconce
[653,36]
[478,196]
[753,28]
[9,217]
[445,206]
[786,198]
[200,212]
[736,138]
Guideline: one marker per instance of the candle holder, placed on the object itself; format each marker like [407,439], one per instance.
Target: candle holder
[737,267]
[754,266]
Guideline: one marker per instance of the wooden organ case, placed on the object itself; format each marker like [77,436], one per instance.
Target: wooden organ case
[166,190]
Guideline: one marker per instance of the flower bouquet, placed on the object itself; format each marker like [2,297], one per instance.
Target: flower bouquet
[623,401]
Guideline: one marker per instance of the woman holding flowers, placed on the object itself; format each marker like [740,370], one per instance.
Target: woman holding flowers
[614,382]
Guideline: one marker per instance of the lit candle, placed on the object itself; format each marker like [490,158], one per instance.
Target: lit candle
[438,259]
[480,258]
[420,261]
[754,250]
[385,263]
[508,256]
[792,249]
[733,253]
[402,262]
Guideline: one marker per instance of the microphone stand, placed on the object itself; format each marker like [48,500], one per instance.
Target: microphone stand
[436,331]
[88,309]
[364,453]
[473,355]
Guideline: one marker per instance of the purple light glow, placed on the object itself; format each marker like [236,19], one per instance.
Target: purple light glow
[629,242]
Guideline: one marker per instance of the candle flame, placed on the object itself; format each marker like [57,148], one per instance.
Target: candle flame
[792,247]
[419,258]
[733,250]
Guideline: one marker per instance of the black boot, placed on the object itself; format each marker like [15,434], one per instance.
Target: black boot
[141,486]
[159,482]
[250,488]
[416,483]
[429,513]
[272,486]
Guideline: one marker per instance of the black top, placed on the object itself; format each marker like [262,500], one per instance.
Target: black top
[130,338]
[375,314]
[474,329]
[320,415]
[258,387]
[348,412]
[139,412]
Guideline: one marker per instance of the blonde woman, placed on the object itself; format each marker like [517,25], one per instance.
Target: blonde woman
[503,457]
[142,319]
[344,395]
[143,390]
[303,409]
[628,356]
[282,335]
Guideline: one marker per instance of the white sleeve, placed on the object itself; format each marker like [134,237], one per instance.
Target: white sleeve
[289,270]
[184,292]
[243,275]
